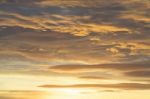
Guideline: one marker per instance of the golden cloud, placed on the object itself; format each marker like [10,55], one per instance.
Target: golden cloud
[123,86]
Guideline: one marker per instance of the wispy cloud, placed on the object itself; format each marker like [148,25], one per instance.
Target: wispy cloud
[124,86]
[121,67]
[139,73]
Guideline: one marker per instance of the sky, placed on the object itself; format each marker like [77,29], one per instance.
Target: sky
[74,49]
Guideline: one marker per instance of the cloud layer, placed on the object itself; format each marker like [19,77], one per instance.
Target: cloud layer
[83,39]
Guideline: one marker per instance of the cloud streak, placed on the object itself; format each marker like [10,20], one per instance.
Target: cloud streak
[139,73]
[124,86]
[121,67]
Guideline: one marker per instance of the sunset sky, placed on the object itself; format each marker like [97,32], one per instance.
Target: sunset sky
[74,49]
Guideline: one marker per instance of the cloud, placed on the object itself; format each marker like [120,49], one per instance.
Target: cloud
[121,67]
[137,18]
[58,23]
[96,43]
[110,91]
[123,49]
[139,73]
[54,32]
[124,86]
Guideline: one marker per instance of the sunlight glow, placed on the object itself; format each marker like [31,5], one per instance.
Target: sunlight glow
[68,91]
[64,93]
